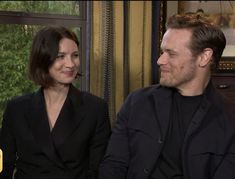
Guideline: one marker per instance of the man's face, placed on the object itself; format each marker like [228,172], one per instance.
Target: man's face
[177,65]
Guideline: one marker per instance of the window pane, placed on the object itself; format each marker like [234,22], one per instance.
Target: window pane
[48,7]
[15,43]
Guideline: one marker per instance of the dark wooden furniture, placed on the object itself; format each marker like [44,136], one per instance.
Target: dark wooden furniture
[225,83]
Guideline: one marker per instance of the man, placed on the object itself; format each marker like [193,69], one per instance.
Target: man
[181,128]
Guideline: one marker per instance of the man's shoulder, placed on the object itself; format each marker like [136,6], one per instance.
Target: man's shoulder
[144,94]
[146,91]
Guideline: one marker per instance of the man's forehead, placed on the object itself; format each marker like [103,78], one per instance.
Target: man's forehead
[176,37]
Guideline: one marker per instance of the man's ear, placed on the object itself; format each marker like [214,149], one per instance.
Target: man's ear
[206,57]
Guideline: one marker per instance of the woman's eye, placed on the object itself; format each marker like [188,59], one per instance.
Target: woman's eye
[60,57]
[76,55]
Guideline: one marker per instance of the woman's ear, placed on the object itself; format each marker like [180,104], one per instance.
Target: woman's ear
[206,57]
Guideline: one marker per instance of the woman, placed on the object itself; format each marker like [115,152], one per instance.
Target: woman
[57,132]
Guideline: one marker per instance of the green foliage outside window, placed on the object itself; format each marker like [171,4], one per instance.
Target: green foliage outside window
[49,7]
[15,45]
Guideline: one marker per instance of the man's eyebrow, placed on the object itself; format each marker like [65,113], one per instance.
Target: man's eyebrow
[168,50]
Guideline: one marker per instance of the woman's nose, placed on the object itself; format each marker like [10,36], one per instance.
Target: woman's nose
[70,61]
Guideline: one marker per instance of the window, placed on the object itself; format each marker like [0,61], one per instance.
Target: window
[19,21]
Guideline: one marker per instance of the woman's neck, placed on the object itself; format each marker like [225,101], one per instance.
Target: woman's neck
[55,94]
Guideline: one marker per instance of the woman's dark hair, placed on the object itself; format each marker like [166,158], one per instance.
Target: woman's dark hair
[44,52]
[204,33]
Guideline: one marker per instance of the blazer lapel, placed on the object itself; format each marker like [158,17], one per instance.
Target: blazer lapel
[162,101]
[70,117]
[39,125]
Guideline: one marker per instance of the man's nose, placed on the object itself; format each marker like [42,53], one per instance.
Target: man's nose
[162,59]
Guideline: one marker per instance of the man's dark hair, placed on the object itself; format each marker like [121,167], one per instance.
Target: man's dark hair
[204,33]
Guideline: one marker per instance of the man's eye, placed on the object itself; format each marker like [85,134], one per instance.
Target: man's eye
[172,54]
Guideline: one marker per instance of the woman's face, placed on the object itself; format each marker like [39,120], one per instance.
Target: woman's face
[65,68]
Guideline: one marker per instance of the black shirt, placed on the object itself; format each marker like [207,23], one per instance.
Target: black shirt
[169,164]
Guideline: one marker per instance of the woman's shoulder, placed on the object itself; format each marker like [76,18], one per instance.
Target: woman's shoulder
[21,99]
[85,97]
[89,97]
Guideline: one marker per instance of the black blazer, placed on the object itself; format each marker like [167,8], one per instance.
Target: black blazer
[72,150]
[208,151]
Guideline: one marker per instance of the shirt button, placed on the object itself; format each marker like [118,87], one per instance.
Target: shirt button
[146,171]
